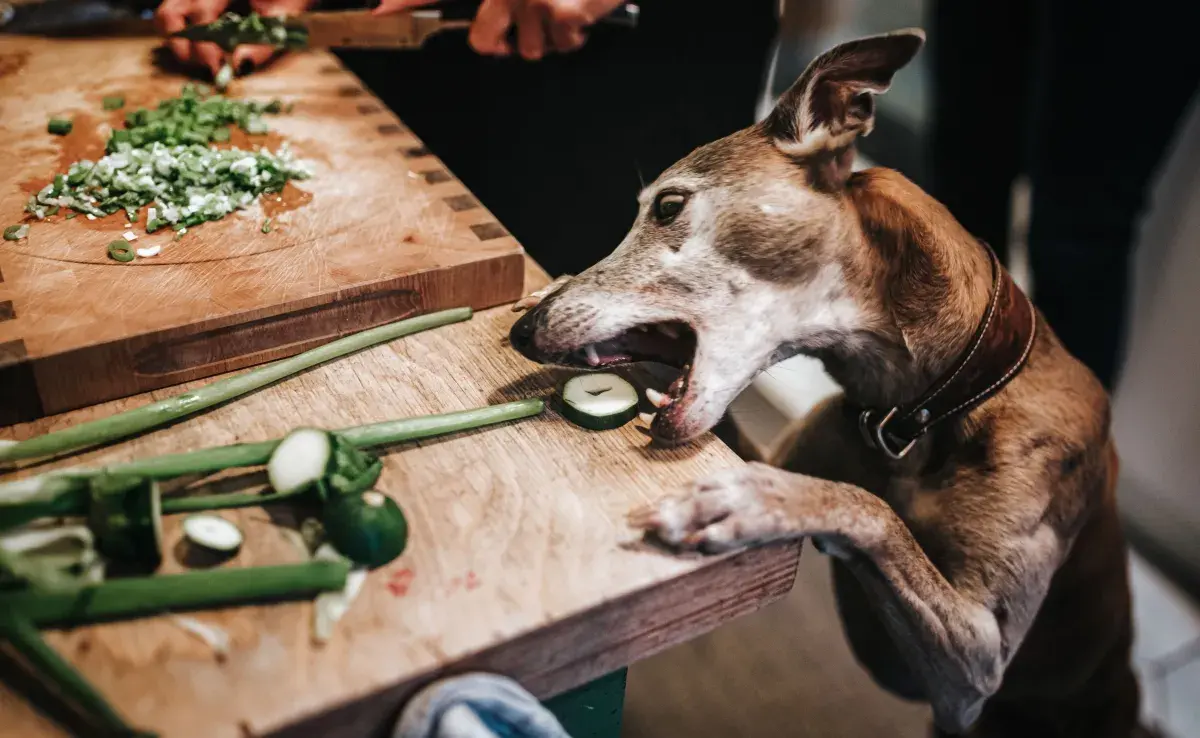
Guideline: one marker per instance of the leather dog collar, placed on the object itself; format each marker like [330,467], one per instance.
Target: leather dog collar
[998,350]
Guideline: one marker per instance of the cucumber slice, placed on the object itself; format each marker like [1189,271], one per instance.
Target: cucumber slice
[368,528]
[212,532]
[599,401]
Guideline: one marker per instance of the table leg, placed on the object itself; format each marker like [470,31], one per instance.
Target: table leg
[593,710]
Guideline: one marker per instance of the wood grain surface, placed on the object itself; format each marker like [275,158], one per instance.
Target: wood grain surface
[519,561]
[382,230]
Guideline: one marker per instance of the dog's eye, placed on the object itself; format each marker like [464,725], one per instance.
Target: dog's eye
[667,206]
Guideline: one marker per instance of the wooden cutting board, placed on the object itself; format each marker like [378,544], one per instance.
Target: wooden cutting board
[381,231]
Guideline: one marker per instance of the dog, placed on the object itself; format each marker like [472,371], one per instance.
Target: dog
[962,483]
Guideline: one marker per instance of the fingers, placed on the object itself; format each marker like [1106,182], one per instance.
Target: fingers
[206,53]
[175,15]
[531,31]
[171,17]
[489,32]
[248,58]
[567,37]
[569,20]
[396,6]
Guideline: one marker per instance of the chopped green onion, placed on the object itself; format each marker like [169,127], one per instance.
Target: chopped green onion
[59,126]
[120,251]
[113,102]
[165,411]
[266,226]
[16,232]
[223,77]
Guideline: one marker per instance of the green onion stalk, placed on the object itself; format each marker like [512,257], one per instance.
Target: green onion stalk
[118,599]
[156,414]
[64,493]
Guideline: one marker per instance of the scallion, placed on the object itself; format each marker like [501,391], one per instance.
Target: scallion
[60,493]
[173,408]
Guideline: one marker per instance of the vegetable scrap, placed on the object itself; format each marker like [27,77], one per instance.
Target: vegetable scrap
[113,102]
[213,533]
[16,232]
[223,77]
[120,251]
[59,126]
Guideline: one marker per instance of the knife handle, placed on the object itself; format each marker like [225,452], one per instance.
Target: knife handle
[625,16]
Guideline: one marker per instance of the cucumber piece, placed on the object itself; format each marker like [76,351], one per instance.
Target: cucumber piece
[599,401]
[299,460]
[368,528]
[212,532]
[324,462]
[125,515]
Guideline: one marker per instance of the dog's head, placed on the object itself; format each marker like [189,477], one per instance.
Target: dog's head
[737,256]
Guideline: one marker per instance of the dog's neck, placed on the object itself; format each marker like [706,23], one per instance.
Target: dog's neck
[924,283]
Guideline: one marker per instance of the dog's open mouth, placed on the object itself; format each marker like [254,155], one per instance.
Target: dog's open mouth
[670,343]
[673,344]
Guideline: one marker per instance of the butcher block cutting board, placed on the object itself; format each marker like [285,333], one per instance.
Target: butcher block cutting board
[381,231]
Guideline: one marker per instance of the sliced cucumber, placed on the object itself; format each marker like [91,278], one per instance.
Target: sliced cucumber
[325,461]
[368,528]
[599,401]
[299,460]
[212,532]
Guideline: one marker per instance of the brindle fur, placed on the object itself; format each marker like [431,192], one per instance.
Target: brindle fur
[986,571]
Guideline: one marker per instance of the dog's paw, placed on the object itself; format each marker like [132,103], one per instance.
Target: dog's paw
[732,509]
[533,298]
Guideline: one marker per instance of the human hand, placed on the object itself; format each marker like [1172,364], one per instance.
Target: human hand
[175,15]
[542,25]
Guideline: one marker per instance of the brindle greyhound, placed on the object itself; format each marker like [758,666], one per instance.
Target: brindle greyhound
[963,483]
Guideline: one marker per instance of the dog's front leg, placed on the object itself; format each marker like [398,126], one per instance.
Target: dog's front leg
[954,642]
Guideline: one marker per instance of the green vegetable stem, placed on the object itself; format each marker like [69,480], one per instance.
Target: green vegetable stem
[165,411]
[61,493]
[137,596]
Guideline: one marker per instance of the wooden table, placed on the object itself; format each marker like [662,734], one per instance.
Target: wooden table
[519,559]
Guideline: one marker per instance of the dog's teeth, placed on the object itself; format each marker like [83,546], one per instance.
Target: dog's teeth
[647,418]
[592,357]
[657,399]
[670,330]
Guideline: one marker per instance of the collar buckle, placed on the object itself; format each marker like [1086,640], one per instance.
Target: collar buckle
[875,434]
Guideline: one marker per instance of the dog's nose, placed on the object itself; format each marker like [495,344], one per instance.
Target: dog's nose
[521,334]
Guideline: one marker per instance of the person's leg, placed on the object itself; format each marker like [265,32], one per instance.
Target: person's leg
[980,60]
[1112,85]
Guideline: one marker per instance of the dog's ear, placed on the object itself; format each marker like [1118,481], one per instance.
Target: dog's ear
[832,103]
